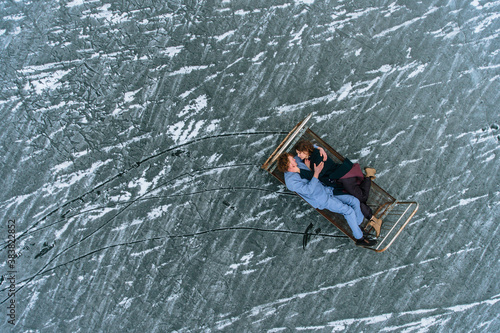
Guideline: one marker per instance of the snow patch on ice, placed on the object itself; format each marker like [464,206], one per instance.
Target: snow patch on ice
[404,163]
[447,32]
[369,84]
[464,307]
[32,301]
[359,13]
[172,51]
[248,271]
[266,260]
[43,81]
[486,22]
[226,322]
[382,69]
[64,181]
[143,253]
[393,139]
[258,56]
[464,202]
[297,37]
[365,152]
[129,96]
[79,3]
[289,108]
[17,200]
[106,14]
[224,35]
[120,228]
[344,91]
[405,24]
[127,143]
[142,183]
[328,116]
[213,125]
[476,4]
[59,232]
[158,212]
[212,159]
[126,302]
[180,133]
[194,106]
[176,130]
[14,17]
[245,260]
[187,70]
[490,158]
[341,325]
[62,166]
[196,130]
[419,70]
[462,251]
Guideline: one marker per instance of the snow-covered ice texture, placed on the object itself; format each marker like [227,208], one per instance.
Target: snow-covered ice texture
[132,136]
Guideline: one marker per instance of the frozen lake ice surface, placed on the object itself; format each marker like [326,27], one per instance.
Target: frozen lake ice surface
[133,134]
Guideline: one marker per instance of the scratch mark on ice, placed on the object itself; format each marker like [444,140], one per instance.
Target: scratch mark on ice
[393,139]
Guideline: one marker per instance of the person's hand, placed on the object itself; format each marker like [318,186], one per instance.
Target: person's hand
[323,154]
[318,168]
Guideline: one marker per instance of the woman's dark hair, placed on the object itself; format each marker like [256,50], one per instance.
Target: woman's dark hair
[304,146]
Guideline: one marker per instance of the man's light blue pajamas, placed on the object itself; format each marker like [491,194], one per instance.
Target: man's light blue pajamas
[321,197]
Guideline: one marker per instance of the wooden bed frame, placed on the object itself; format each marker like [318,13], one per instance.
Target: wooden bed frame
[395,214]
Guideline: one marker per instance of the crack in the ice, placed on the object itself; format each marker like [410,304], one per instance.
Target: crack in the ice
[43,270]
[135,166]
[65,215]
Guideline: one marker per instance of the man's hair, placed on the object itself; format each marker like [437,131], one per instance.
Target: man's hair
[304,146]
[283,162]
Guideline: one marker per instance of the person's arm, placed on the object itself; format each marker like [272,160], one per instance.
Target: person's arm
[322,152]
[304,188]
[316,159]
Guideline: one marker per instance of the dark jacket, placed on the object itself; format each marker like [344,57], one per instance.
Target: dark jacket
[331,170]
[330,173]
